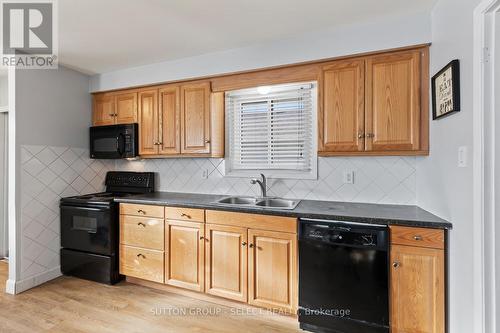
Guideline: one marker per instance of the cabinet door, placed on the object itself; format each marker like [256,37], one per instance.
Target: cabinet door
[184,254]
[226,261]
[104,110]
[195,118]
[417,290]
[272,270]
[126,108]
[148,122]
[342,122]
[393,102]
[169,117]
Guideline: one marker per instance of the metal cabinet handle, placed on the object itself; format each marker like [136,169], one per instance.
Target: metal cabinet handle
[207,141]
[396,264]
[250,245]
[417,237]
[201,237]
[185,215]
[244,244]
[140,211]
[141,255]
[141,224]
[370,135]
[361,135]
[111,114]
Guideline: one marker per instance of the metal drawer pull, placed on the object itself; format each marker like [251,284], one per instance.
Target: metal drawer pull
[417,237]
[396,264]
[361,135]
[141,255]
[141,224]
[185,215]
[141,211]
[244,244]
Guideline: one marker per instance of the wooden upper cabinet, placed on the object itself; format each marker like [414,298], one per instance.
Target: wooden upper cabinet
[342,120]
[169,121]
[104,110]
[148,122]
[272,270]
[195,118]
[393,101]
[226,261]
[417,290]
[126,108]
[184,254]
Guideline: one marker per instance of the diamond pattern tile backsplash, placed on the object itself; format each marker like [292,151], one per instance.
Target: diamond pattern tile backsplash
[376,179]
[48,174]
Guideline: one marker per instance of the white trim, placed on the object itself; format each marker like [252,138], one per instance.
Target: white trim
[14,237]
[4,108]
[483,171]
[34,281]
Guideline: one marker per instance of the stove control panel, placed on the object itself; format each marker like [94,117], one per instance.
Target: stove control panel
[121,179]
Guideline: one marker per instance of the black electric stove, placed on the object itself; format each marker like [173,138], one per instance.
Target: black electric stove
[90,227]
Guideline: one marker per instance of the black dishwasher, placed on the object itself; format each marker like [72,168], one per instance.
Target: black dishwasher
[343,277]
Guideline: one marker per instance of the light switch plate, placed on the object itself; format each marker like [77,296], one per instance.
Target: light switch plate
[204,174]
[462,157]
[348,177]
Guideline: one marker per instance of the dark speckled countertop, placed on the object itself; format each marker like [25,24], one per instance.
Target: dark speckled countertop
[329,210]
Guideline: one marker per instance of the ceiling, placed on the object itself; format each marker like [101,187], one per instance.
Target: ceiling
[98,36]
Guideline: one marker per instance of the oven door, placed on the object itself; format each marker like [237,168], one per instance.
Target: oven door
[89,229]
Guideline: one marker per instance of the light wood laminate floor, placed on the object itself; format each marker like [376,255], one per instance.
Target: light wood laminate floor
[72,305]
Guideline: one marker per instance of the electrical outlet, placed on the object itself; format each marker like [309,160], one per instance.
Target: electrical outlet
[348,177]
[204,174]
[462,157]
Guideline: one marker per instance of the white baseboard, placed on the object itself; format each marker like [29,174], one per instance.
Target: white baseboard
[10,287]
[17,287]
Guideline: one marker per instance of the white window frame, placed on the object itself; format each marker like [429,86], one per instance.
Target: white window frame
[279,173]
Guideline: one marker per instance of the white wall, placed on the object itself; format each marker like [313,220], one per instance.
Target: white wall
[53,109]
[4,101]
[442,187]
[377,35]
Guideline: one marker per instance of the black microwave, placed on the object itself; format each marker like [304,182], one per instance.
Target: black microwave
[114,141]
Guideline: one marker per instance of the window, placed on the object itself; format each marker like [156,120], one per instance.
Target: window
[272,130]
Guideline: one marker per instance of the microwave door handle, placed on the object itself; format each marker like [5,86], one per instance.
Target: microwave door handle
[120,144]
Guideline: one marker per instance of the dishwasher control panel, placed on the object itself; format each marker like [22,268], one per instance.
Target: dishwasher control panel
[343,233]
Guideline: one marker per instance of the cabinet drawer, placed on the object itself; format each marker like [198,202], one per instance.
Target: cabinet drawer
[422,237]
[142,210]
[253,221]
[143,232]
[142,263]
[185,214]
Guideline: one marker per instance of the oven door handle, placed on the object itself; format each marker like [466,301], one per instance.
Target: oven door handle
[85,208]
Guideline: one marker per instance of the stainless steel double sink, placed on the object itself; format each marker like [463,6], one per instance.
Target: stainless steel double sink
[277,203]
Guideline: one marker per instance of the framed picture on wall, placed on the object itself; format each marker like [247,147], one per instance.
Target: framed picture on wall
[446,91]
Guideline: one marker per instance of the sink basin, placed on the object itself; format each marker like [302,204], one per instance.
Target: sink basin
[258,203]
[237,201]
[278,203]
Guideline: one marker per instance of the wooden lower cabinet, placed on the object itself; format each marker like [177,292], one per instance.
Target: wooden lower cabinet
[141,263]
[272,270]
[184,254]
[226,261]
[417,289]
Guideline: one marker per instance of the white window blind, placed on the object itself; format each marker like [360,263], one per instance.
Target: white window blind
[274,130]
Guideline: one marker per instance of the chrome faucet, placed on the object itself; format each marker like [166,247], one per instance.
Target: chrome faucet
[262,183]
